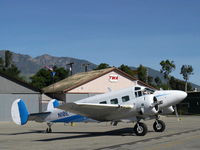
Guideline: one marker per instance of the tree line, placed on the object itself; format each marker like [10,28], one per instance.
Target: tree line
[167,67]
[49,75]
[8,67]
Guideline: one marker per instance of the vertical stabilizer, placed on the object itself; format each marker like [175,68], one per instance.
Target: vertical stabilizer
[19,112]
[52,105]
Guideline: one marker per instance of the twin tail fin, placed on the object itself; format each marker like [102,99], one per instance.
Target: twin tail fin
[20,114]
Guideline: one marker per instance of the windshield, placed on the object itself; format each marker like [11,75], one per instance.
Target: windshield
[143,91]
[148,91]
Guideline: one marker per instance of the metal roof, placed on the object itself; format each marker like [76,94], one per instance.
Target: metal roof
[79,79]
[20,82]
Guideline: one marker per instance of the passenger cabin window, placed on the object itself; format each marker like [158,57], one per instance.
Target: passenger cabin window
[103,102]
[114,101]
[125,98]
[138,93]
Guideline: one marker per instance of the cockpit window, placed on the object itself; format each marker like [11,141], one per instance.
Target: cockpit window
[148,91]
[138,94]
[137,88]
[144,91]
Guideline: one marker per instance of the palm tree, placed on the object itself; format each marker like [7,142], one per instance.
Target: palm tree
[186,71]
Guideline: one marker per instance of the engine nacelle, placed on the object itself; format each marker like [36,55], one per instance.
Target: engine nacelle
[146,105]
[167,110]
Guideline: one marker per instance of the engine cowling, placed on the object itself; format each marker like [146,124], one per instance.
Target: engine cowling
[148,105]
[168,110]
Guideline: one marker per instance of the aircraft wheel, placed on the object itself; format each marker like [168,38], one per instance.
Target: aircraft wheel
[48,130]
[159,126]
[140,129]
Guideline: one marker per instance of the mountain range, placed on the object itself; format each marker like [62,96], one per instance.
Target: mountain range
[29,65]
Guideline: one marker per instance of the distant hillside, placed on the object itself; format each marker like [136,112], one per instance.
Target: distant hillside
[30,66]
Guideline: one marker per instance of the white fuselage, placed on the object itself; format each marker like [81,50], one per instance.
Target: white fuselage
[142,100]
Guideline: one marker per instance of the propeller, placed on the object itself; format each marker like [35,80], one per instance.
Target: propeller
[156,103]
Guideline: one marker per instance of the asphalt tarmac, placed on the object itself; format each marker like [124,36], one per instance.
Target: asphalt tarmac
[179,135]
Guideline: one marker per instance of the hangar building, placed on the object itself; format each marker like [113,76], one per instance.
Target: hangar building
[11,89]
[86,84]
[191,105]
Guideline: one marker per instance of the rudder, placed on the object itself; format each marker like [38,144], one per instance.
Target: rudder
[52,105]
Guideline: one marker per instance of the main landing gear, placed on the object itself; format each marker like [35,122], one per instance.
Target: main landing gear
[49,130]
[141,129]
[159,126]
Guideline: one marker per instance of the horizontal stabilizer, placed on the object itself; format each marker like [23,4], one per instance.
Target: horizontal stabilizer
[38,117]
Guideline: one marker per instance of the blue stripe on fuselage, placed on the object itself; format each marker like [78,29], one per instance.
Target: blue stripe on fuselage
[161,95]
[74,118]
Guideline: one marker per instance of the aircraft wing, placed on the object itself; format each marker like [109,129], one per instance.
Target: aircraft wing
[100,112]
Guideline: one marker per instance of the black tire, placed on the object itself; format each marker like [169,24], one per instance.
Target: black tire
[159,126]
[48,130]
[140,129]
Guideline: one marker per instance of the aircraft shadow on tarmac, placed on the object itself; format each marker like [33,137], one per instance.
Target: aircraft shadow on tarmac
[21,133]
[122,132]
[118,132]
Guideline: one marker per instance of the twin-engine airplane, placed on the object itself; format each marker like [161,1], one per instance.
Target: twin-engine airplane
[127,105]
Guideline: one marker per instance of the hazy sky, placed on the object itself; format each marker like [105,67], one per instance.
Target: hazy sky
[116,32]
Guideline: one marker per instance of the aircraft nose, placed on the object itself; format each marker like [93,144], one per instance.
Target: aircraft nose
[181,95]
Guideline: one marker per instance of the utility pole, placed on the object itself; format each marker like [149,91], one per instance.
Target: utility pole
[70,67]
[86,67]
